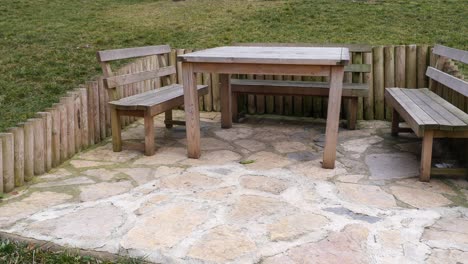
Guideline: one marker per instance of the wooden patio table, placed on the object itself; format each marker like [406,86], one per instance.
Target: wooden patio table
[303,61]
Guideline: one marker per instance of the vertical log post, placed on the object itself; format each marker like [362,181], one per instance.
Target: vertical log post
[378,72]
[18,137]
[389,75]
[8,154]
[28,150]
[47,121]
[39,146]
[411,72]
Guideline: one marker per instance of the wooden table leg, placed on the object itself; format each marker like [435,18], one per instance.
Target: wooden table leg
[226,102]
[333,117]
[192,113]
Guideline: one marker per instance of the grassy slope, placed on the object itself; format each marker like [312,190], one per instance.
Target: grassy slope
[47,46]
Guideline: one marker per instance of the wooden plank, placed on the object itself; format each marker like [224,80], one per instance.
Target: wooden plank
[96,116]
[411,71]
[298,88]
[173,62]
[215,92]
[379,85]
[18,138]
[279,100]
[358,67]
[180,80]
[63,132]
[269,99]
[389,74]
[438,112]
[117,54]
[449,107]
[422,63]
[114,81]
[192,114]
[288,100]
[47,121]
[55,147]
[90,99]
[455,54]
[351,47]
[367,79]
[251,108]
[261,69]
[208,98]
[448,80]
[226,106]
[260,99]
[8,155]
[28,150]
[270,55]
[426,156]
[70,121]
[333,117]
[85,116]
[38,146]
[297,100]
[357,77]
[400,66]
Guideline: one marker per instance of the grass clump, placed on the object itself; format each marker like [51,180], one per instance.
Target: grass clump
[14,252]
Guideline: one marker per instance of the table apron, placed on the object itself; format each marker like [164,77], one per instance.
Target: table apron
[267,69]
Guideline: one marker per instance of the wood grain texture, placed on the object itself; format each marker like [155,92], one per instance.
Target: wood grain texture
[192,114]
[270,55]
[18,138]
[452,53]
[8,155]
[39,154]
[28,150]
[379,82]
[226,102]
[118,54]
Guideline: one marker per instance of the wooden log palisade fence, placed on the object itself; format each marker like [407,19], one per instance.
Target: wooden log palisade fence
[82,118]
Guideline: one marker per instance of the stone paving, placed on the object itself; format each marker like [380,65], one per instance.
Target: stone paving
[258,194]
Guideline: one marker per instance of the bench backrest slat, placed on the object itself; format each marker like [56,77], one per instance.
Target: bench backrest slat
[448,80]
[454,54]
[118,80]
[118,54]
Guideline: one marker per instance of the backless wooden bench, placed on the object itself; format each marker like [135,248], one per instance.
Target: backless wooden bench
[351,91]
[146,104]
[428,115]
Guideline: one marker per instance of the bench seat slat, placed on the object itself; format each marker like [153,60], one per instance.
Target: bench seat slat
[448,120]
[404,103]
[445,119]
[277,87]
[154,97]
[448,106]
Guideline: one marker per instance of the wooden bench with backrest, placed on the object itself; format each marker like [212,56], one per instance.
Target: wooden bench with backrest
[427,114]
[146,104]
[351,91]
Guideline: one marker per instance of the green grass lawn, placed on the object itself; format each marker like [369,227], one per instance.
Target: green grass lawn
[16,253]
[48,46]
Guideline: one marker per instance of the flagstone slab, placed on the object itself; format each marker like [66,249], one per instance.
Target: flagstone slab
[105,153]
[448,231]
[263,183]
[87,228]
[164,228]
[313,170]
[293,226]
[251,145]
[79,164]
[37,201]
[419,198]
[216,195]
[366,194]
[222,244]
[217,157]
[264,160]
[289,146]
[251,207]
[360,145]
[139,175]
[210,144]
[234,133]
[104,190]
[447,256]
[189,181]
[101,174]
[163,156]
[389,166]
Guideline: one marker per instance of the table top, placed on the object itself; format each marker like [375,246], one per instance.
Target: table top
[270,55]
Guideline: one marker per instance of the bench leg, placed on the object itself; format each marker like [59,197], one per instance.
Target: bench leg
[352,113]
[168,119]
[395,123]
[149,134]
[116,128]
[426,156]
[235,112]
